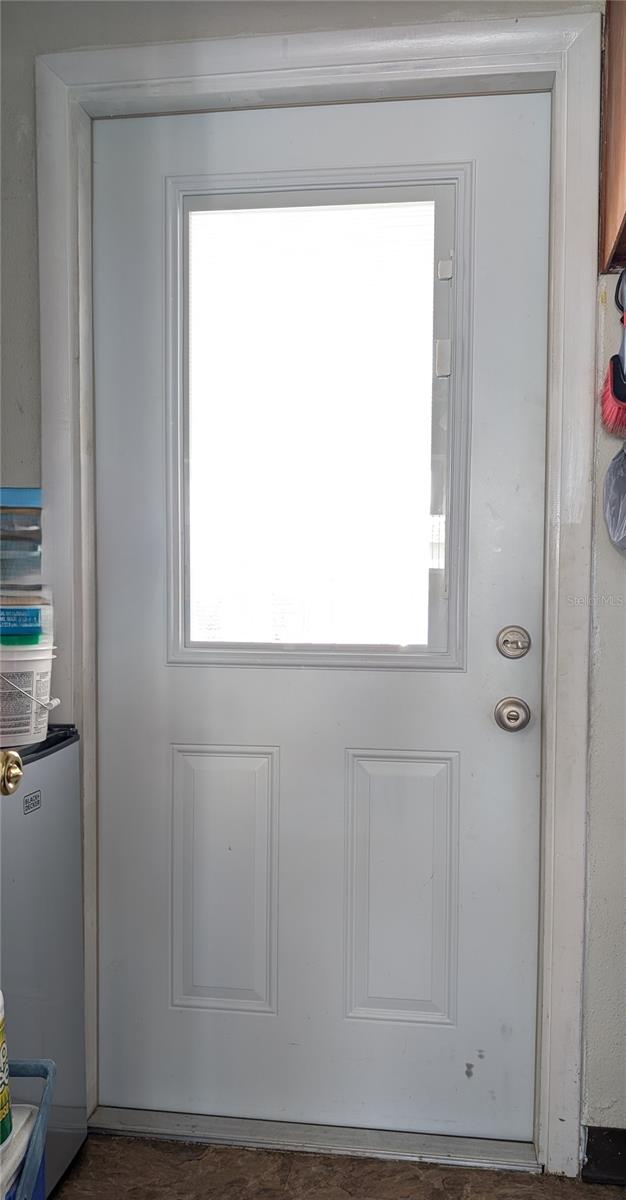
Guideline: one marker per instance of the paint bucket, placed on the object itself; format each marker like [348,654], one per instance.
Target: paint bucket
[24,669]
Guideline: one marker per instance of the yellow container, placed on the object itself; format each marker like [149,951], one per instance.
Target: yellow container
[6,1119]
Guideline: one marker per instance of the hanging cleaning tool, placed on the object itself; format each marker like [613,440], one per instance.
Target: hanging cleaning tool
[615,500]
[614,390]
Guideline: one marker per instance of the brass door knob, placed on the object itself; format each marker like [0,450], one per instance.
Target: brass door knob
[512,714]
[11,772]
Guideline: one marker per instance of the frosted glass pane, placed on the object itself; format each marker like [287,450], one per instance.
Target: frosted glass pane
[309,424]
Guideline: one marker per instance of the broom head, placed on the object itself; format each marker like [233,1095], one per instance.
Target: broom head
[614,398]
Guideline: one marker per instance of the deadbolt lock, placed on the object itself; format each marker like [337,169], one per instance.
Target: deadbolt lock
[512,714]
[11,772]
[513,641]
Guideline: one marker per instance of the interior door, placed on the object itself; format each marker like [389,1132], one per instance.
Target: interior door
[320,352]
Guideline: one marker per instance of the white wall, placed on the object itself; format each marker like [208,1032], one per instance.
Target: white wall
[605,974]
[36,28]
[42,27]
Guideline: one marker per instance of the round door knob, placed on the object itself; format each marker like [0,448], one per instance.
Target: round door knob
[512,714]
[10,772]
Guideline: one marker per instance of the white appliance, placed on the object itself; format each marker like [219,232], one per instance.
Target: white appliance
[42,973]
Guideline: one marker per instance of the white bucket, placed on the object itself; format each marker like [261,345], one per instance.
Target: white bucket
[28,668]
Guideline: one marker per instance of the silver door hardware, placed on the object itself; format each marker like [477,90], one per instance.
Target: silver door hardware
[444,268]
[513,641]
[512,714]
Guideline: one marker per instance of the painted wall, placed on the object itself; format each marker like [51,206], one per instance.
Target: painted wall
[35,28]
[605,974]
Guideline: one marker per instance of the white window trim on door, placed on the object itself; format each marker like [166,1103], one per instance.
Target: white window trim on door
[458,178]
[556,54]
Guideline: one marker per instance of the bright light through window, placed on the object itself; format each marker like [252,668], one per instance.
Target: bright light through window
[310,397]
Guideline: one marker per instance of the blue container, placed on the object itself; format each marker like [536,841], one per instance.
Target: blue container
[31,1182]
[15,497]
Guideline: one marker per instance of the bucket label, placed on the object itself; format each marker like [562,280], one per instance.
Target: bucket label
[23,618]
[18,714]
[6,1123]
[32,803]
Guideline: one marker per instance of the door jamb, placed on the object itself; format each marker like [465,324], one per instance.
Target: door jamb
[557,54]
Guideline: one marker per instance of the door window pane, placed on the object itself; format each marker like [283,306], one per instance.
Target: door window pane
[310,400]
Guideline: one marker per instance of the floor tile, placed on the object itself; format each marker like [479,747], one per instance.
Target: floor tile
[110,1168]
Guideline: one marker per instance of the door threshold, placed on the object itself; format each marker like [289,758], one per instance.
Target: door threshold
[318,1139]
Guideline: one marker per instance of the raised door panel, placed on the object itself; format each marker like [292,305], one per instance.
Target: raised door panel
[402,886]
[224,877]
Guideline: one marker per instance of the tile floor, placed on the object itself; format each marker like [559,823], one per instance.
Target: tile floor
[113,1168]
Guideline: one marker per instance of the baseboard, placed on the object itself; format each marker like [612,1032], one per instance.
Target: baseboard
[605,1157]
[320,1139]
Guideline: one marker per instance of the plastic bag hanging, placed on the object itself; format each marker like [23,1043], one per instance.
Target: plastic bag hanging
[615,500]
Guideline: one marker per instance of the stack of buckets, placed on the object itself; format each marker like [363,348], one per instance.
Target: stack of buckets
[26,621]
[26,653]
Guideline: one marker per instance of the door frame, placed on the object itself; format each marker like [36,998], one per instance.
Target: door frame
[556,54]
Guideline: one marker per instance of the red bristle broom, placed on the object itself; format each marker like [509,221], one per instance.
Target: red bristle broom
[614,390]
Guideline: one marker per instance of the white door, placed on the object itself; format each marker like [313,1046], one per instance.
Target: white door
[320,370]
